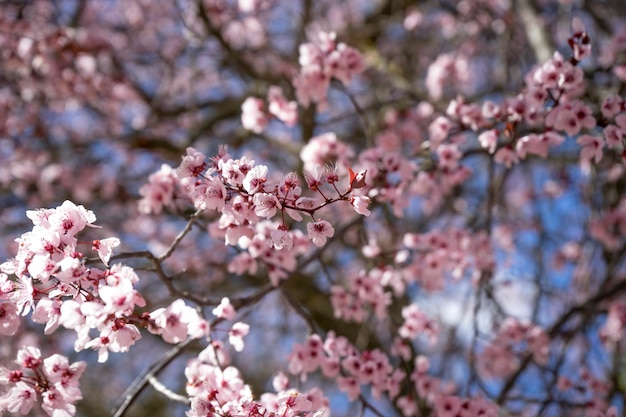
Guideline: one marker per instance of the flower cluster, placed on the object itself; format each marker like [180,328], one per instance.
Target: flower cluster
[51,278]
[339,359]
[365,290]
[217,388]
[453,253]
[540,118]
[53,378]
[499,358]
[321,62]
[255,117]
[248,202]
[470,178]
[159,191]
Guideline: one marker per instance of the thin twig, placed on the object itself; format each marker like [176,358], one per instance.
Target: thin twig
[133,391]
[180,236]
[157,385]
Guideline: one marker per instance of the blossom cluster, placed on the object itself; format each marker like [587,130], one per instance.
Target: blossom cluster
[551,99]
[215,387]
[322,61]
[51,279]
[499,358]
[339,359]
[248,202]
[418,160]
[255,116]
[53,378]
[353,371]
[453,253]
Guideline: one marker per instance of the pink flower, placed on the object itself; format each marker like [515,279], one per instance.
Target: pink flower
[350,386]
[286,112]
[9,319]
[192,165]
[159,191]
[506,156]
[294,402]
[579,41]
[416,323]
[438,131]
[407,406]
[49,312]
[321,62]
[23,295]
[318,232]
[311,86]
[440,72]
[308,203]
[253,115]
[225,310]
[489,140]
[58,370]
[344,63]
[571,117]
[71,315]
[118,299]
[265,205]
[591,148]
[236,335]
[208,194]
[533,144]
[121,337]
[69,219]
[19,399]
[29,357]
[56,404]
[490,110]
[104,247]
[280,382]
[322,149]
[234,170]
[447,406]
[171,322]
[611,105]
[255,178]
[497,361]
[281,239]
[360,204]
[539,344]
[613,136]
[449,156]
[247,32]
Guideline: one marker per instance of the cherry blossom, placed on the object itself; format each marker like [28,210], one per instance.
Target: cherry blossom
[253,115]
[173,323]
[158,191]
[266,205]
[104,247]
[225,309]
[236,335]
[466,162]
[54,378]
[319,231]
[285,111]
